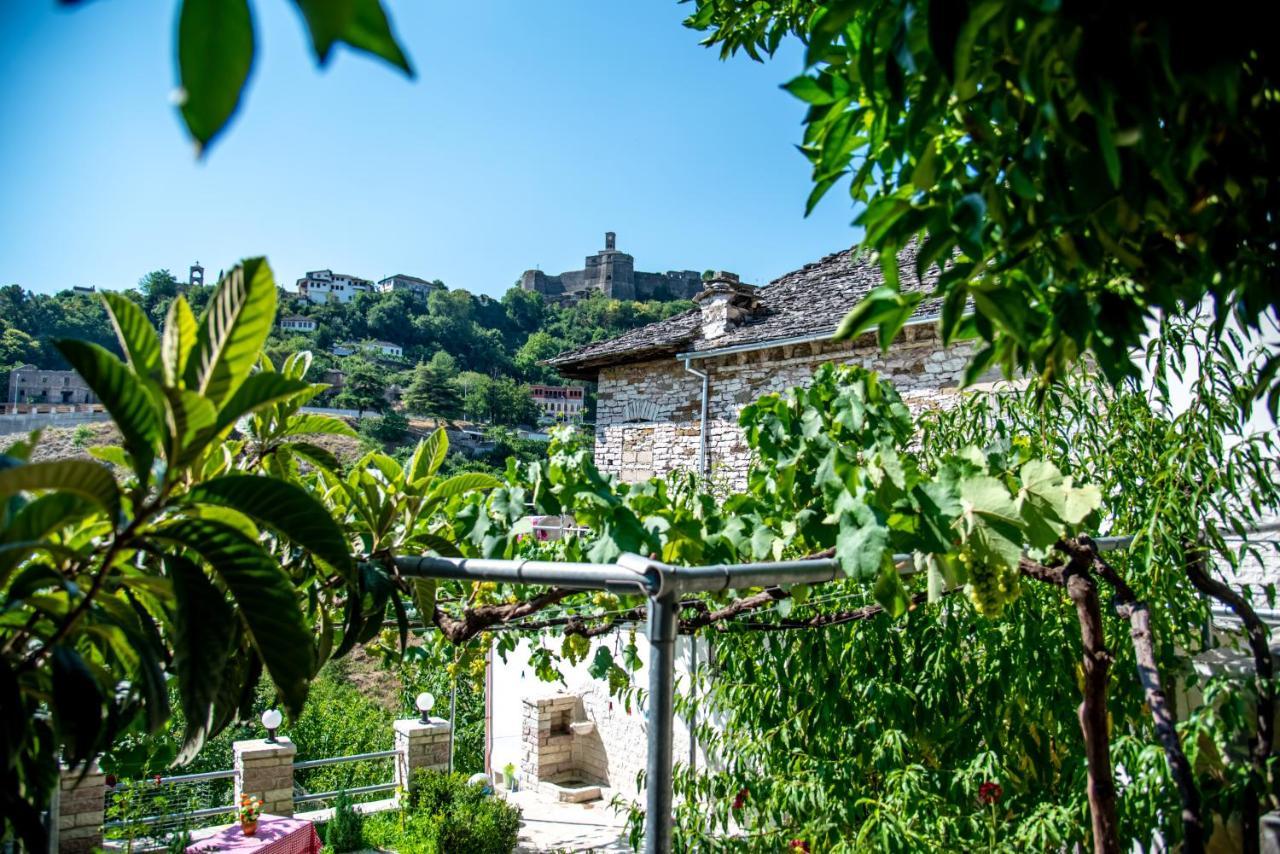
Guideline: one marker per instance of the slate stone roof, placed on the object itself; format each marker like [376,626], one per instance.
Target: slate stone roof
[809,301]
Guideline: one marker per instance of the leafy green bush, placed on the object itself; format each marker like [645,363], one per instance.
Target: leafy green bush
[448,814]
[391,427]
[346,831]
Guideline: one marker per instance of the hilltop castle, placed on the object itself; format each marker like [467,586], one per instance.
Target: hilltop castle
[612,273]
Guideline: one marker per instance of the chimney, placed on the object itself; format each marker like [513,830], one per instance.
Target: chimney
[725,303]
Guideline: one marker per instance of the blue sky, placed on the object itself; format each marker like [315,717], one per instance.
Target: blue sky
[531,129]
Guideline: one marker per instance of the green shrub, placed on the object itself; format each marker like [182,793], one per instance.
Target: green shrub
[346,830]
[390,427]
[447,814]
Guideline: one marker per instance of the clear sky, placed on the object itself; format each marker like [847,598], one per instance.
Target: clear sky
[531,129]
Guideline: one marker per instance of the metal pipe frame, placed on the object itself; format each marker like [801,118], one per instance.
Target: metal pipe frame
[665,585]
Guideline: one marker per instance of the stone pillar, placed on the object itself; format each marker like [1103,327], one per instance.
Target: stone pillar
[80,807]
[265,770]
[420,745]
[547,751]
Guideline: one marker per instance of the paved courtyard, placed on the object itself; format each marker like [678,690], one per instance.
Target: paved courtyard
[549,826]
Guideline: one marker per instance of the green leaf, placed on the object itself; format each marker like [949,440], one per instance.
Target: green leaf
[424,598]
[76,705]
[36,521]
[600,663]
[362,24]
[460,484]
[861,544]
[808,90]
[189,414]
[309,424]
[428,456]
[314,454]
[137,336]
[996,528]
[233,329]
[885,308]
[122,394]
[890,592]
[264,596]
[203,643]
[259,390]
[284,507]
[81,477]
[178,340]
[215,56]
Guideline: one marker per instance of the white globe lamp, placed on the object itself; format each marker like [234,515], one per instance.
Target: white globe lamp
[271,719]
[424,702]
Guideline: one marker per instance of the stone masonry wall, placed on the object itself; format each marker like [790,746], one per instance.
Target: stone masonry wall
[81,803]
[669,399]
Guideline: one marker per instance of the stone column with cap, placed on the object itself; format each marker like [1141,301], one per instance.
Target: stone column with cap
[264,770]
[420,745]
[81,800]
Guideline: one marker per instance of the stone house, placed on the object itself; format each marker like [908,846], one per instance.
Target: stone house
[670,393]
[29,384]
[419,288]
[297,323]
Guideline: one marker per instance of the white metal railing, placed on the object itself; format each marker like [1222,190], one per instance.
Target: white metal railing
[152,809]
[353,791]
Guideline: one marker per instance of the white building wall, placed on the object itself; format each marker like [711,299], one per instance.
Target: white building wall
[624,734]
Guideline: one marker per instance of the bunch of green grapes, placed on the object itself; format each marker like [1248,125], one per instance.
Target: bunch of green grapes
[575,648]
[990,586]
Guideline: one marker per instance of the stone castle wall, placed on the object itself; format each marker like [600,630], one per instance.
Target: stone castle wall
[612,273]
[647,414]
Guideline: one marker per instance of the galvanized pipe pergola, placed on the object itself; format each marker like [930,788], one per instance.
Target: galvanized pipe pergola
[664,585]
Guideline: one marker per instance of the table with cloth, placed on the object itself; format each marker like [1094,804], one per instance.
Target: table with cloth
[276,835]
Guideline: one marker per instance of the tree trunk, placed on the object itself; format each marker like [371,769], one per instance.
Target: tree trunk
[1193,828]
[1129,608]
[1264,670]
[1083,591]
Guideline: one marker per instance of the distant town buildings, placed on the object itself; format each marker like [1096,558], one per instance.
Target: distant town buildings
[384,348]
[297,323]
[29,384]
[613,274]
[557,402]
[321,286]
[420,288]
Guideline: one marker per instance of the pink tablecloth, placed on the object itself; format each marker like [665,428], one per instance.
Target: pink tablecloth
[276,835]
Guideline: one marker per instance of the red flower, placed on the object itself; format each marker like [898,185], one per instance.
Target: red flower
[800,845]
[156,778]
[989,792]
[741,799]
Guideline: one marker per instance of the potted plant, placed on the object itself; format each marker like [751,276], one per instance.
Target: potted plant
[509,776]
[249,811]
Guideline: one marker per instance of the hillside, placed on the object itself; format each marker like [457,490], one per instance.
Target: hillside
[476,355]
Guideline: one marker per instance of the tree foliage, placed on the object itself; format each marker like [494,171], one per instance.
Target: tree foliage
[216,46]
[1081,169]
[189,555]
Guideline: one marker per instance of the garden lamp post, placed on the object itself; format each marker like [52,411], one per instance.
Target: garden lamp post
[424,702]
[271,719]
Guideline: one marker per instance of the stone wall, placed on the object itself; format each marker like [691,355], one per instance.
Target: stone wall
[647,414]
[621,732]
[81,804]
